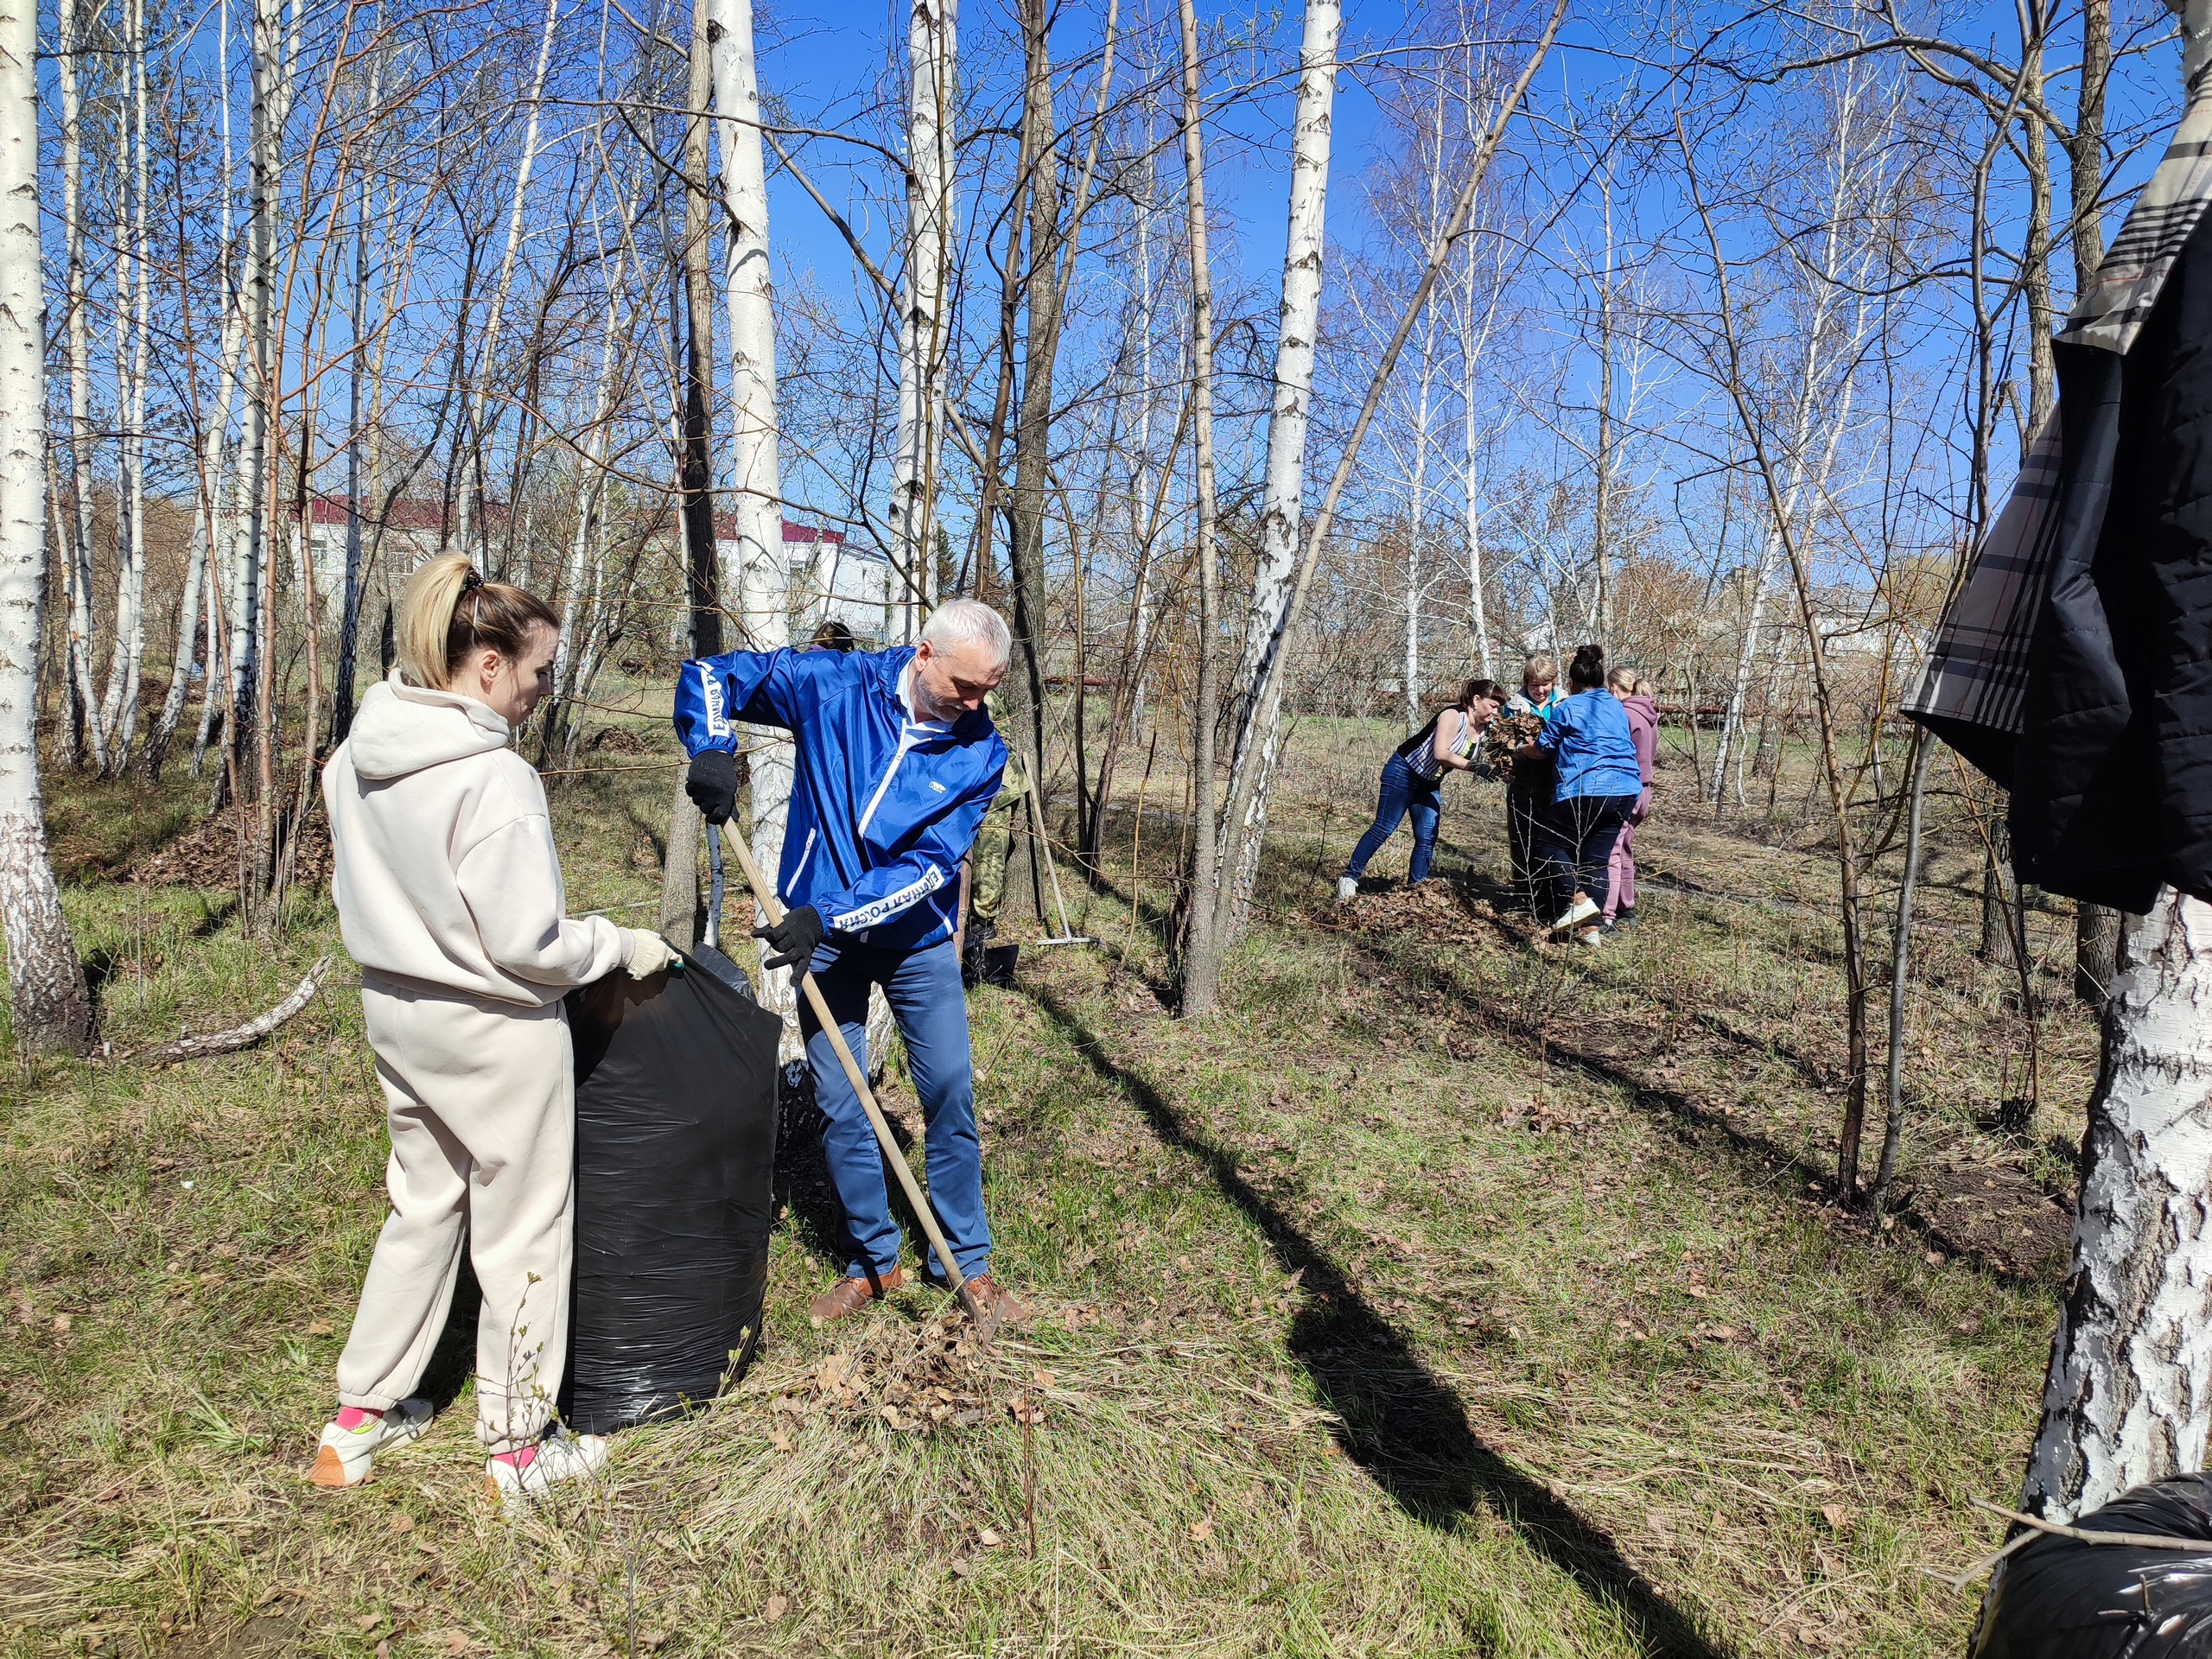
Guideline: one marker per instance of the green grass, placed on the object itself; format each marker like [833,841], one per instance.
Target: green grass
[1364,1327]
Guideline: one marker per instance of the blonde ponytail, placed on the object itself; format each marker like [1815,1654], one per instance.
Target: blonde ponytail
[446,610]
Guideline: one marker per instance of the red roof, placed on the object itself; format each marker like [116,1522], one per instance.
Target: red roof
[726,531]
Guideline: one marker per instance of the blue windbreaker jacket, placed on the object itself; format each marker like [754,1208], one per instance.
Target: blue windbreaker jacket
[1588,732]
[882,811]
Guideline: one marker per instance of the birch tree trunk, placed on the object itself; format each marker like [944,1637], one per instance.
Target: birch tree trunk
[1201,953]
[119,706]
[250,514]
[45,980]
[82,708]
[1259,725]
[924,336]
[760,575]
[221,491]
[2129,1393]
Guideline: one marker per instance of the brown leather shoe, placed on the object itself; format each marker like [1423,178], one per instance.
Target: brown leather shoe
[852,1295]
[994,1302]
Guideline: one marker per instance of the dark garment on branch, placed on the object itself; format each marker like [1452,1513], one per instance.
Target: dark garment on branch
[2112,784]
[2074,665]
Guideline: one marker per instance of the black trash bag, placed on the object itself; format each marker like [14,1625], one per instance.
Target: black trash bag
[676,1146]
[2060,1598]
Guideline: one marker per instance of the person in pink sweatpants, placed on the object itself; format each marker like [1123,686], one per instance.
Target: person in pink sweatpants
[1642,713]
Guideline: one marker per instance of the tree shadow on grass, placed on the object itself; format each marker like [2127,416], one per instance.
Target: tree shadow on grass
[1400,1423]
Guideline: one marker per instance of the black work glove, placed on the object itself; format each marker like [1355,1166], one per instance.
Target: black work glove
[712,783]
[794,938]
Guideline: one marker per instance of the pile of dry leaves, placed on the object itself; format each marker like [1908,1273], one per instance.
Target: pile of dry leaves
[919,1378]
[208,856]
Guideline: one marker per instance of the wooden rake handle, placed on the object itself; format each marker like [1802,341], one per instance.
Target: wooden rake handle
[858,1078]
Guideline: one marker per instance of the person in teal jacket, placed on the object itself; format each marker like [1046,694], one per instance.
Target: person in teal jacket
[1596,784]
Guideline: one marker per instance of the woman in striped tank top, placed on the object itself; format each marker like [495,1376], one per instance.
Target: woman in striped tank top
[1412,781]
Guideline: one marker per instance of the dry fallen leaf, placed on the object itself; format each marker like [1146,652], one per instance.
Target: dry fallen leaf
[1935,1258]
[403,1523]
[368,1621]
[61,1321]
[1043,1379]
[318,1327]
[778,1605]
[457,1641]
[989,1538]
[1838,1517]
[1202,1530]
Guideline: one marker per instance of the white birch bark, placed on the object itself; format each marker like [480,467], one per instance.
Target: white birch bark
[84,707]
[119,706]
[756,572]
[223,486]
[931,41]
[252,507]
[46,983]
[471,429]
[2128,1397]
[1259,726]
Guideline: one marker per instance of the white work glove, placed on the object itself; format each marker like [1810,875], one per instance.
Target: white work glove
[649,954]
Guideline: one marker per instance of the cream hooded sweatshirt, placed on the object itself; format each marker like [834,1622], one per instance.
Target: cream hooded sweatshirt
[446,871]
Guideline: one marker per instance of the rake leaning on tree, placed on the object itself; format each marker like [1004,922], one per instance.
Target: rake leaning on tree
[897,761]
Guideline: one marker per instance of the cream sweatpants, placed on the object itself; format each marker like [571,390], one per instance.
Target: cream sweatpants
[480,1096]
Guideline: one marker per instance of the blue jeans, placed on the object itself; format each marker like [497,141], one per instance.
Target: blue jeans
[1403,792]
[923,987]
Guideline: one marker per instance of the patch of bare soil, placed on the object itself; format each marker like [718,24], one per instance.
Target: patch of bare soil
[208,856]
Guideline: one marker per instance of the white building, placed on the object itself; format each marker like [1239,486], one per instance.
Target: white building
[832,579]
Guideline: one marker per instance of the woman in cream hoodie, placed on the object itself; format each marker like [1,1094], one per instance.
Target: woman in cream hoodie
[449,896]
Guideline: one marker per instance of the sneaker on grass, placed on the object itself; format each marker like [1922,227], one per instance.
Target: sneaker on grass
[352,1439]
[1581,911]
[1347,889]
[515,1477]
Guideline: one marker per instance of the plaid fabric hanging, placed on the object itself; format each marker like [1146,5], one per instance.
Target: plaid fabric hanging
[1972,688]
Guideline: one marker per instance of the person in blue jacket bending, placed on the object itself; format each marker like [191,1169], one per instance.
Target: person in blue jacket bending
[897,762]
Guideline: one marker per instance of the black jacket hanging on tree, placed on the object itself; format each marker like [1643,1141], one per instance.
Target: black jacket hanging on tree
[2112,786]
[2074,665]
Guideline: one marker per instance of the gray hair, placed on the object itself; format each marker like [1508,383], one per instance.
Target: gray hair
[969,621]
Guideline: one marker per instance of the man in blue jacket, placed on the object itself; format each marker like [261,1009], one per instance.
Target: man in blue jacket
[897,763]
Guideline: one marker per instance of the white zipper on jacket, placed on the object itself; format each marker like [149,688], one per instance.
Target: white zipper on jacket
[805,853]
[906,742]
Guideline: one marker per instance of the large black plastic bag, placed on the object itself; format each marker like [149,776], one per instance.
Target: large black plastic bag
[676,1146]
[2060,1598]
